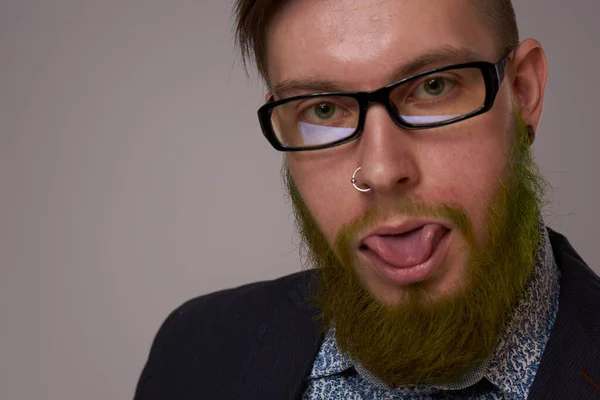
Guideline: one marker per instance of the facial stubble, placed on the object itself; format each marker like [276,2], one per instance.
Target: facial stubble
[422,339]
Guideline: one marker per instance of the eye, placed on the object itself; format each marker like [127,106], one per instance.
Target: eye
[330,111]
[433,87]
[323,111]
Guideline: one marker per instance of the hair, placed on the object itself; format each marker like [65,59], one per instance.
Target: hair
[253,17]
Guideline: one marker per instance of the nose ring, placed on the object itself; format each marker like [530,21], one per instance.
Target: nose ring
[363,190]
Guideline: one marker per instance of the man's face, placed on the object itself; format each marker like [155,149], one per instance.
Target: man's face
[359,45]
[421,273]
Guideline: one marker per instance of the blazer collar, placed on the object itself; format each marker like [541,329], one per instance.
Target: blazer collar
[284,349]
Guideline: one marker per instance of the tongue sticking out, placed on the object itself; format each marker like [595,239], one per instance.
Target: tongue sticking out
[407,249]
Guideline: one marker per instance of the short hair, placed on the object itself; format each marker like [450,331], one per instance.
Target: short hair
[254,16]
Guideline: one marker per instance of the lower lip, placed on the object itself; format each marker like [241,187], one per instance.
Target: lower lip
[417,273]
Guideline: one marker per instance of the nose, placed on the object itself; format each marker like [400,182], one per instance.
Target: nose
[388,155]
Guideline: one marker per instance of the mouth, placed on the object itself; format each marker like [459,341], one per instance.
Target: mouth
[406,254]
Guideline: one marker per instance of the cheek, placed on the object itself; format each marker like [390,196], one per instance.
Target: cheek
[324,184]
[467,172]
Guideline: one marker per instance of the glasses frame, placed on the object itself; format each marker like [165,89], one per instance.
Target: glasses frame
[493,75]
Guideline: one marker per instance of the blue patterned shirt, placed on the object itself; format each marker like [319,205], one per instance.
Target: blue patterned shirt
[508,375]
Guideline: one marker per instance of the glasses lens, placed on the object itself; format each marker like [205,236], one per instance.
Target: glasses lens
[440,96]
[315,121]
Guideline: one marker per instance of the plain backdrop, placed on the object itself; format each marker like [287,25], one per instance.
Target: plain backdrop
[133,176]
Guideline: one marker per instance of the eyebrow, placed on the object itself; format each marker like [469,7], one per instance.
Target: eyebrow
[439,57]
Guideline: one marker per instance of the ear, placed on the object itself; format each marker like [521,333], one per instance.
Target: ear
[529,73]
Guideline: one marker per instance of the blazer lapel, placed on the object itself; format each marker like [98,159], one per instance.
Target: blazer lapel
[284,349]
[570,366]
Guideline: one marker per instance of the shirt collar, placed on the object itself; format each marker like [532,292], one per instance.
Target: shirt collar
[520,348]
[514,363]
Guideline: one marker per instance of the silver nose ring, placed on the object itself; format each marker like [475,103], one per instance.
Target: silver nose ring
[368,189]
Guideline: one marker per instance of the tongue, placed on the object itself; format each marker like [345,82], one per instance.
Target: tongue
[407,249]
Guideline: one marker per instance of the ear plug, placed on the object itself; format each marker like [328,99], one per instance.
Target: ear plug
[531,134]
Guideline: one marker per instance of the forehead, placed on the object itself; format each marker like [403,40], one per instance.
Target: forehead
[359,43]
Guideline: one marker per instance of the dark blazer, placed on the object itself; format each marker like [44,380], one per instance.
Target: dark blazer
[259,341]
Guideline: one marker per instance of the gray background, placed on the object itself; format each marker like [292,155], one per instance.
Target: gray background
[133,176]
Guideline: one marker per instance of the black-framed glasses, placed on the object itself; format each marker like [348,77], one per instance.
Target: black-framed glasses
[430,99]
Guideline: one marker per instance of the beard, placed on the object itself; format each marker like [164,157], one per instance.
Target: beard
[422,339]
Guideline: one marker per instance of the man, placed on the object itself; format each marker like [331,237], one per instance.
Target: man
[406,127]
